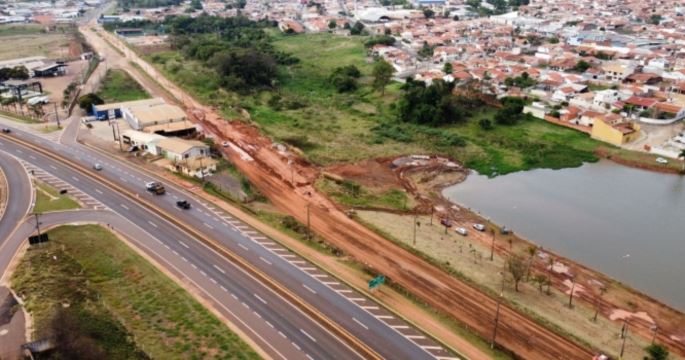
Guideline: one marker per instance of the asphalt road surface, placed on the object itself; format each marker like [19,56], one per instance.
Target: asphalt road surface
[278,320]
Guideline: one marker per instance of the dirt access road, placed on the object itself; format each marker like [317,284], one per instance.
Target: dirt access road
[287,181]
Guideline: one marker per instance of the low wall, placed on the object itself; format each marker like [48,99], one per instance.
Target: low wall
[3,193]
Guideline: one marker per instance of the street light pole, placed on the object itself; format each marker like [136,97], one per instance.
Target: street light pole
[570,296]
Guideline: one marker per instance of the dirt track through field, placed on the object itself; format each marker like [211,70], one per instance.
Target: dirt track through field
[271,173]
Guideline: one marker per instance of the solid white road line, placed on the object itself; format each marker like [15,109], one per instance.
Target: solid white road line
[184,244]
[220,269]
[265,260]
[308,288]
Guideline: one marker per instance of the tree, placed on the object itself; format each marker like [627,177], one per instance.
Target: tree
[511,111]
[447,68]
[540,280]
[332,24]
[382,74]
[426,50]
[682,155]
[656,352]
[87,101]
[516,265]
[357,28]
[428,13]
[598,301]
[582,66]
[655,19]
[485,124]
[345,78]
[473,4]
[241,68]
[532,251]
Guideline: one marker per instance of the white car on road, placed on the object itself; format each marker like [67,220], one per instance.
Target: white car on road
[479,227]
[461,231]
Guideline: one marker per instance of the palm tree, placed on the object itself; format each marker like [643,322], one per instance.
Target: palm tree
[682,155]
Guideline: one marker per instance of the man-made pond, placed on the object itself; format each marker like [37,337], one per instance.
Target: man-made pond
[624,222]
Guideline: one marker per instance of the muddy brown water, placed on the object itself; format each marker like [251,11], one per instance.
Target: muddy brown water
[624,222]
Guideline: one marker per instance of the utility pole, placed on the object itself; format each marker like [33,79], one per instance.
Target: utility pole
[415,220]
[492,244]
[624,334]
[309,229]
[654,329]
[494,330]
[202,171]
[570,296]
[56,114]
[35,214]
[432,211]
[120,141]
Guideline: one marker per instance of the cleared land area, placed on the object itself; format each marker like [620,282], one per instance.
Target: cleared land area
[115,301]
[34,41]
[49,199]
[469,258]
[119,86]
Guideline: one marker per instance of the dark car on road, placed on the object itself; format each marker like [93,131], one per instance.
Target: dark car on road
[183,204]
[155,188]
[6,130]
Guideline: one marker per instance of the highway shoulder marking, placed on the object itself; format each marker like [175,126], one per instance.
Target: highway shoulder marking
[220,269]
[360,323]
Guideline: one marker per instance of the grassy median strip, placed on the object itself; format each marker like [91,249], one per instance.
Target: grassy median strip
[118,86]
[49,199]
[117,301]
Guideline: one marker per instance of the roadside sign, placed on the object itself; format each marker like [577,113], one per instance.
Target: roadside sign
[36,239]
[376,282]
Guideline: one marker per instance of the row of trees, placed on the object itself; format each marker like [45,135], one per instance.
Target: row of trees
[433,105]
[17,72]
[237,48]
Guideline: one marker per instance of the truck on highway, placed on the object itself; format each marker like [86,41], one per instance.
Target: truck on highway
[155,187]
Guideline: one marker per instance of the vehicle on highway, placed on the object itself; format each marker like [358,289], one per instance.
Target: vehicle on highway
[505,230]
[6,130]
[155,187]
[97,167]
[479,227]
[183,204]
[224,144]
[661,160]
[461,231]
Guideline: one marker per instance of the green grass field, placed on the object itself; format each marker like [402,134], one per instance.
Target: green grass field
[305,111]
[137,311]
[120,86]
[48,199]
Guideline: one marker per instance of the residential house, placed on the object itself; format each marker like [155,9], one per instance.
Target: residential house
[616,133]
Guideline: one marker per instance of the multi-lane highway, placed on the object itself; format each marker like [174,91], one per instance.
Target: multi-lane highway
[281,329]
